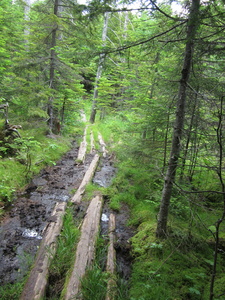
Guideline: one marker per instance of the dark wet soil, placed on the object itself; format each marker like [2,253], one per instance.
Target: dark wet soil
[123,234]
[22,227]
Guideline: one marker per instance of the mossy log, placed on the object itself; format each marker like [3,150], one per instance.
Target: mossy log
[87,178]
[85,248]
[35,286]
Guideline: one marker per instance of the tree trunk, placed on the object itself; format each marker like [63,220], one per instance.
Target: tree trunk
[188,137]
[52,69]
[100,68]
[166,137]
[193,22]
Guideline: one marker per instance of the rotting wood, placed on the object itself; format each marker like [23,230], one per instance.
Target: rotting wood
[83,148]
[85,247]
[87,177]
[111,259]
[35,286]
[103,145]
[92,142]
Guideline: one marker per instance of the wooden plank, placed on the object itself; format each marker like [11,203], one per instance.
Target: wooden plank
[111,260]
[103,145]
[83,147]
[35,286]
[92,142]
[87,178]
[86,247]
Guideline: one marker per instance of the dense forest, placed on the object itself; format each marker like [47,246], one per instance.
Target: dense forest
[150,76]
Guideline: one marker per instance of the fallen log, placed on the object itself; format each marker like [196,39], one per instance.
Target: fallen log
[102,144]
[35,286]
[111,260]
[83,148]
[85,247]
[92,143]
[87,177]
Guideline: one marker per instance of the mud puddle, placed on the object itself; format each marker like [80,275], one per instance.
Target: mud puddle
[22,227]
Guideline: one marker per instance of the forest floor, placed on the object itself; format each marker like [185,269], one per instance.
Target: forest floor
[23,224]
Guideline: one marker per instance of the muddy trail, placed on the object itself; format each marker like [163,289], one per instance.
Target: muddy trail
[23,226]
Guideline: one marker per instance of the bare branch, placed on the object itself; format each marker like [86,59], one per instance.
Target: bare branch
[125,47]
[165,14]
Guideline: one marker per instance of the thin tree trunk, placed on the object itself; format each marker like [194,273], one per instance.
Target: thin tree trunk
[100,69]
[180,113]
[52,69]
[188,138]
[194,156]
[166,137]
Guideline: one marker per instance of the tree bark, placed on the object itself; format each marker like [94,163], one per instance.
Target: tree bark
[193,22]
[100,68]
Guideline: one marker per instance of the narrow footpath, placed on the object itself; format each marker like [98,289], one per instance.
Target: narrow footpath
[30,229]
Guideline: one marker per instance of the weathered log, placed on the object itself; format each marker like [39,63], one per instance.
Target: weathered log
[85,248]
[87,177]
[92,142]
[103,145]
[111,260]
[83,148]
[35,286]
